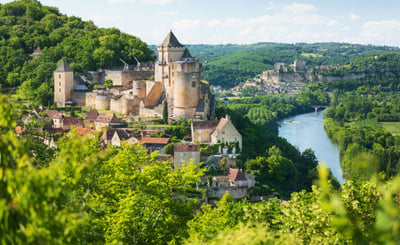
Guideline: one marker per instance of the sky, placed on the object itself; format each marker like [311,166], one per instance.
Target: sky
[244,21]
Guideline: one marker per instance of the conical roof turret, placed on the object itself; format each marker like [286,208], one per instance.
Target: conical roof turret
[63,66]
[171,41]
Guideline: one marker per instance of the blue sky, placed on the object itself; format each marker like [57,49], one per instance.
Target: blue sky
[244,21]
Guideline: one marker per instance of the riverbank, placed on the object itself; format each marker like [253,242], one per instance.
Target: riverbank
[307,131]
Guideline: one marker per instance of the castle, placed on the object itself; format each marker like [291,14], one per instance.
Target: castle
[177,79]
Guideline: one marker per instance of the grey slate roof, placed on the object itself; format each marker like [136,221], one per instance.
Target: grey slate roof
[63,66]
[171,41]
[186,54]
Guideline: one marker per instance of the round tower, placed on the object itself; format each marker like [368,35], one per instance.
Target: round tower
[186,89]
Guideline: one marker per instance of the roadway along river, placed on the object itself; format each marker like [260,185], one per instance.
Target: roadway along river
[307,131]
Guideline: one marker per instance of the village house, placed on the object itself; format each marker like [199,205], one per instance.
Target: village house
[155,144]
[105,120]
[236,182]
[71,122]
[91,117]
[56,117]
[214,132]
[184,153]
[114,136]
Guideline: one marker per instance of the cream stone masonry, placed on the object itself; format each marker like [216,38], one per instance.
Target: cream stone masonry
[178,79]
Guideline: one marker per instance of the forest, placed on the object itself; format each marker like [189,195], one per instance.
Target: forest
[358,114]
[26,25]
[229,65]
[80,193]
[87,196]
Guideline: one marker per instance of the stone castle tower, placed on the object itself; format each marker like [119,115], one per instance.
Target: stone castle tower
[63,83]
[180,74]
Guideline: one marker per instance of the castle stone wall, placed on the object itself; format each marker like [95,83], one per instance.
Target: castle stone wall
[91,99]
[102,102]
[218,192]
[79,98]
[139,89]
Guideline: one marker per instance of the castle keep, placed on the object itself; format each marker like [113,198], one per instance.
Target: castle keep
[178,80]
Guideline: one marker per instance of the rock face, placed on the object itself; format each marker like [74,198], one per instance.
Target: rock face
[273,76]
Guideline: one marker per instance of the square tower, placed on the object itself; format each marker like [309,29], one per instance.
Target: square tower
[63,83]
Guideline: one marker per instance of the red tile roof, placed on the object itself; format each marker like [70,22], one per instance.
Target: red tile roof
[19,129]
[83,131]
[92,114]
[204,124]
[53,114]
[236,175]
[222,123]
[107,118]
[73,121]
[161,141]
[187,148]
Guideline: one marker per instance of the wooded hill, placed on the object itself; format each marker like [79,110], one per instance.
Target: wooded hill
[228,65]
[27,24]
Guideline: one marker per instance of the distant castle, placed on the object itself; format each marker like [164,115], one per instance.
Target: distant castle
[178,80]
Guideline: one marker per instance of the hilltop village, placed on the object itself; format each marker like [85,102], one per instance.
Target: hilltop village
[131,109]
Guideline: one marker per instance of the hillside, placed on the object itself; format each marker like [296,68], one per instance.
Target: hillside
[27,24]
[228,65]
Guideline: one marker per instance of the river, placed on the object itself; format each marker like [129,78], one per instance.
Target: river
[307,131]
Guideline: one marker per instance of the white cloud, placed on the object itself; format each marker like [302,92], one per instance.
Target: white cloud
[298,8]
[186,24]
[154,2]
[214,23]
[386,31]
[167,13]
[354,16]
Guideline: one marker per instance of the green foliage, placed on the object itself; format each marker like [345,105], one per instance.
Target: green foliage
[229,65]
[32,201]
[266,110]
[250,91]
[26,25]
[169,149]
[179,129]
[212,165]
[108,83]
[165,112]
[363,213]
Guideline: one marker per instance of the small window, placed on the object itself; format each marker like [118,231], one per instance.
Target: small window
[59,90]
[223,140]
[193,84]
[223,132]
[59,76]
[59,83]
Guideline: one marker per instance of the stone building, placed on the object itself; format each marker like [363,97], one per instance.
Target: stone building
[181,75]
[178,79]
[185,153]
[222,131]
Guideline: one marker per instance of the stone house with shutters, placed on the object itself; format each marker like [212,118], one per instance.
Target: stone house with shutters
[72,122]
[214,132]
[114,136]
[155,144]
[184,153]
[56,117]
[236,182]
[106,120]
